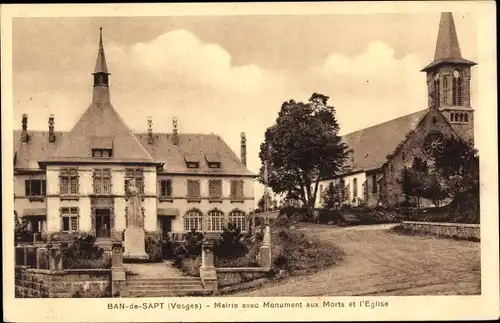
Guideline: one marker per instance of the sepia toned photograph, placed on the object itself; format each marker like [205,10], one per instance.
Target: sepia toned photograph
[218,158]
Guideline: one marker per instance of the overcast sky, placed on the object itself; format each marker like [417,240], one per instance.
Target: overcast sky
[228,74]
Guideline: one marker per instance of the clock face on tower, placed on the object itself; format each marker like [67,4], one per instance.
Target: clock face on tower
[433,144]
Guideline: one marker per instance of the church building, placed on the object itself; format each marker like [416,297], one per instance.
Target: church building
[75,181]
[377,154]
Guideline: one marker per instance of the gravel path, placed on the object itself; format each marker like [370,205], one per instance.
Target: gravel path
[379,262]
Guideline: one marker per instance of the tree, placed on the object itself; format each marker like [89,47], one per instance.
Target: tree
[458,165]
[262,201]
[421,181]
[302,148]
[334,195]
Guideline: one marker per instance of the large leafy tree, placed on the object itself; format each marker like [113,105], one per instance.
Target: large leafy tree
[302,148]
[458,165]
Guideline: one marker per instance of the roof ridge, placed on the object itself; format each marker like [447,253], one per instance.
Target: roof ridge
[385,122]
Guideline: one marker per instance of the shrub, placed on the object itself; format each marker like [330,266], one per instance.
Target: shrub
[329,216]
[194,240]
[231,243]
[154,247]
[82,252]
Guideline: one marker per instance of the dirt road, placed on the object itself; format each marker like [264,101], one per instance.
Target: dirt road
[379,262]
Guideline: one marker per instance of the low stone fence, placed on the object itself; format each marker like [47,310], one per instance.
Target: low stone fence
[43,283]
[452,230]
[241,278]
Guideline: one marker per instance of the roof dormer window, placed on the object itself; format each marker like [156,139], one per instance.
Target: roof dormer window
[192,160]
[101,153]
[213,160]
[102,147]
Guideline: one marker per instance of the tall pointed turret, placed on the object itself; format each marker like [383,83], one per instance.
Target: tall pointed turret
[101,75]
[448,79]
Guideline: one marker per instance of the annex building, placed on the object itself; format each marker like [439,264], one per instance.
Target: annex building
[75,181]
[377,154]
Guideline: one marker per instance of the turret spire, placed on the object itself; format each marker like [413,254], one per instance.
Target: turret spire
[447,46]
[100,64]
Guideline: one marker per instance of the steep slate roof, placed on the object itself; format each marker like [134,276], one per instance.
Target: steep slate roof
[100,121]
[197,147]
[37,148]
[162,150]
[447,46]
[372,145]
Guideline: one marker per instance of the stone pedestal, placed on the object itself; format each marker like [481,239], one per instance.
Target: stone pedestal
[118,278]
[265,260]
[55,258]
[208,274]
[135,245]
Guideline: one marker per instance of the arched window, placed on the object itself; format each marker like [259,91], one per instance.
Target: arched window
[445,90]
[193,219]
[457,88]
[437,90]
[238,218]
[215,220]
[355,188]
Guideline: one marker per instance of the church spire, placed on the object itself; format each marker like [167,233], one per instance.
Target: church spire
[447,46]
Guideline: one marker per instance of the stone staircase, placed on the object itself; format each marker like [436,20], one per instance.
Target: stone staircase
[164,287]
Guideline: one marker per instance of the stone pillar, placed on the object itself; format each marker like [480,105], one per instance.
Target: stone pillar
[265,260]
[40,252]
[118,277]
[55,258]
[208,274]
[25,255]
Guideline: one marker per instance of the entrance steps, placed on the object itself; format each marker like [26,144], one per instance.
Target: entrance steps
[164,287]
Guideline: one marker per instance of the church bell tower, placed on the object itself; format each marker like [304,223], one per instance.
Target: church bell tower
[448,80]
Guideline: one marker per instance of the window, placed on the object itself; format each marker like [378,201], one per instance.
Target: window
[320,193]
[193,188]
[214,165]
[69,181]
[215,188]
[237,218]
[105,153]
[192,165]
[437,91]
[445,90]
[355,187]
[102,181]
[193,220]
[166,188]
[35,187]
[236,189]
[69,218]
[461,118]
[215,220]
[466,117]
[452,117]
[374,184]
[138,174]
[457,88]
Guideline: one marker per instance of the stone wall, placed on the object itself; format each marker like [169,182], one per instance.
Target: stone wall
[453,230]
[39,283]
[235,279]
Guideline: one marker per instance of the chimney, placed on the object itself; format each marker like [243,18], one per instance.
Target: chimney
[150,130]
[24,133]
[175,134]
[243,149]
[52,135]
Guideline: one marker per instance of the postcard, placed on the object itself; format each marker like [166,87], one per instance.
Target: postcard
[249,162]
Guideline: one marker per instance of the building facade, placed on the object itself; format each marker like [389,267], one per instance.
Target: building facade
[75,181]
[376,155]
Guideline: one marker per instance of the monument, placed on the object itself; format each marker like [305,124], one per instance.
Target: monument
[135,246]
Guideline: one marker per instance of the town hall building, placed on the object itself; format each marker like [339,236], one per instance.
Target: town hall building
[377,154]
[75,181]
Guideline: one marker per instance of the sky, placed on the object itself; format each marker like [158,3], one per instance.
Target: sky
[229,74]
